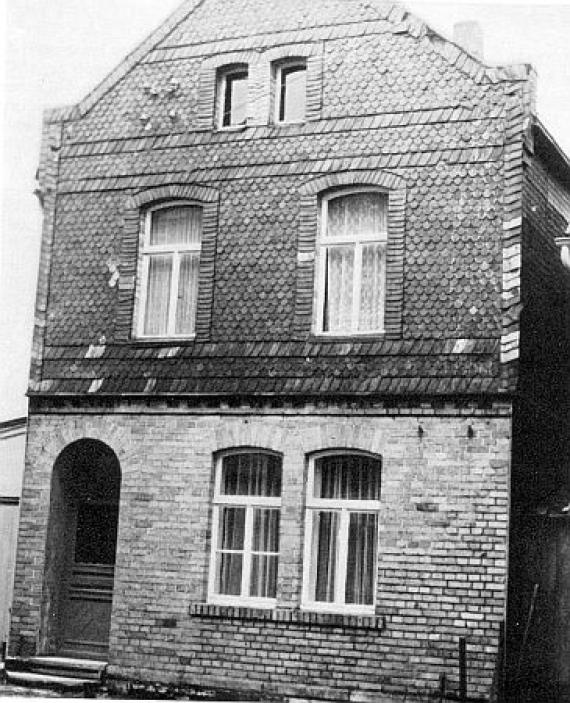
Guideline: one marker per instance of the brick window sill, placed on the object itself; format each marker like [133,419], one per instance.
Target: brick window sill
[361,622]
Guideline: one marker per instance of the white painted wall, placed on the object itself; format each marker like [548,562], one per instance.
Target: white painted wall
[12,451]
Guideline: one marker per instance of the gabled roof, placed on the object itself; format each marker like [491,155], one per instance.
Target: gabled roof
[290,16]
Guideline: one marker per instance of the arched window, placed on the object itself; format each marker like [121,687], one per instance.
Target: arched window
[351,277]
[170,264]
[245,536]
[341,532]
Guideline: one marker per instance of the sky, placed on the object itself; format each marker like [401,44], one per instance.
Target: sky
[53,52]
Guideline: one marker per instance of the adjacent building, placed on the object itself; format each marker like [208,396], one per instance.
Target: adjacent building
[12,450]
[299,388]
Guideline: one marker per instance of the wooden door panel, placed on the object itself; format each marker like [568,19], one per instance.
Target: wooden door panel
[88,609]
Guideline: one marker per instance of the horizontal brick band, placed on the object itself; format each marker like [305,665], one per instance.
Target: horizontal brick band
[366,622]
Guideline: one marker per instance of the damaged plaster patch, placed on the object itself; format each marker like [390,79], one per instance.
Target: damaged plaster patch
[168,353]
[96,384]
[95,351]
[114,271]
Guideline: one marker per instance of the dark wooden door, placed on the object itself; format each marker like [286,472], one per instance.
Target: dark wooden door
[86,612]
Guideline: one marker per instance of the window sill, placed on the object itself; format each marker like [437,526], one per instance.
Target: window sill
[170,341]
[347,336]
[288,123]
[232,128]
[300,617]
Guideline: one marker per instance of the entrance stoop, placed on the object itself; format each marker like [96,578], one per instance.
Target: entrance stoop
[64,674]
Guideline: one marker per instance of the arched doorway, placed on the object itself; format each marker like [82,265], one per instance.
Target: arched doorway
[82,541]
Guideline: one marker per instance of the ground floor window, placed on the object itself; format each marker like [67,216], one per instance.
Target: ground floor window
[246,519]
[341,532]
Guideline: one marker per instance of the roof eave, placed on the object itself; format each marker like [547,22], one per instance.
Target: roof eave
[548,148]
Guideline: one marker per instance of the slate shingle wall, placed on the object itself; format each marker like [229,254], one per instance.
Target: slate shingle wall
[441,559]
[434,119]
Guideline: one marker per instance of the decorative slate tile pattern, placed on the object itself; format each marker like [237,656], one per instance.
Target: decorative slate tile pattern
[249,16]
[387,97]
[271,368]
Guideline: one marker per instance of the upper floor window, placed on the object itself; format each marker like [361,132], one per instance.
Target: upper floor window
[232,96]
[245,535]
[291,90]
[341,532]
[168,289]
[351,274]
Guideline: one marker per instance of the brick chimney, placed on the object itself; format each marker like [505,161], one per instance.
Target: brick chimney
[469,35]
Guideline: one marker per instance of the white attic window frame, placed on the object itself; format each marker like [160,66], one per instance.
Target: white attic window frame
[282,69]
[226,75]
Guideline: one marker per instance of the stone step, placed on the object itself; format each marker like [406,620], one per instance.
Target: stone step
[61,683]
[58,666]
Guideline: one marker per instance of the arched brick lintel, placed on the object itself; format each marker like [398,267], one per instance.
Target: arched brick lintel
[175,192]
[381,179]
[330,437]
[230,59]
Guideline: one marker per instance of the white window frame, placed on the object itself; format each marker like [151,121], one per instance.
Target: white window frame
[250,503]
[177,251]
[221,99]
[358,241]
[280,66]
[344,508]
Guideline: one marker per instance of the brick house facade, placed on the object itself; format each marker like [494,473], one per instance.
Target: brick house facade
[395,405]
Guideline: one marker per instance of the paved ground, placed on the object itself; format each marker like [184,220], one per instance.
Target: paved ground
[9,691]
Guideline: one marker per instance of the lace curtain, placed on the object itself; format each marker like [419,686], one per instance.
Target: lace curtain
[176,228]
[349,219]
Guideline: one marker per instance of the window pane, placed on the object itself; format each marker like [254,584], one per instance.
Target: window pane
[338,291]
[263,575]
[251,474]
[265,530]
[230,537]
[324,561]
[357,215]
[187,293]
[372,287]
[361,558]
[263,565]
[176,225]
[158,295]
[228,580]
[232,528]
[292,94]
[346,476]
[235,99]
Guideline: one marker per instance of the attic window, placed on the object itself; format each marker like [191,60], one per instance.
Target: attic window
[291,88]
[232,92]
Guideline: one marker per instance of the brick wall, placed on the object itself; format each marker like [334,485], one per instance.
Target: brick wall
[441,561]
